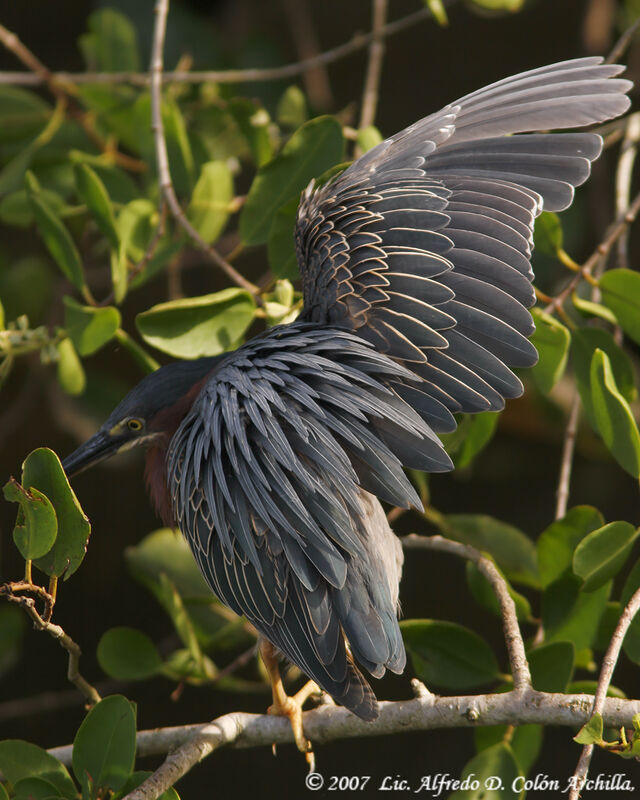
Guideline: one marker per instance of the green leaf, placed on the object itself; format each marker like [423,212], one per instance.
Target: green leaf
[111,44]
[35,789]
[514,552]
[569,614]
[607,626]
[490,775]
[631,585]
[92,193]
[602,553]
[42,469]
[281,250]
[178,146]
[525,742]
[552,666]
[590,687]
[591,732]
[90,327]
[16,210]
[590,309]
[631,643]
[551,339]
[494,6]
[291,111]
[23,114]
[70,370]
[128,654]
[105,746]
[12,630]
[135,226]
[172,602]
[313,148]
[198,326]
[614,418]
[368,137]
[55,236]
[584,342]
[447,654]
[485,596]
[209,208]
[19,760]
[621,293]
[556,544]
[253,122]
[547,234]
[473,434]
[36,526]
[438,10]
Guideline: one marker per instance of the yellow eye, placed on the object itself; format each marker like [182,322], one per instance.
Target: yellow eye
[134,424]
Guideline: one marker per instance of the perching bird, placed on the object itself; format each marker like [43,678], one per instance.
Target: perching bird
[416,280]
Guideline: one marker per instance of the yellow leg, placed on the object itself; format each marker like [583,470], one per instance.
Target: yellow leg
[286,706]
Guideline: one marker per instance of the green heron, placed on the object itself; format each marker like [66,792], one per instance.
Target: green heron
[272,460]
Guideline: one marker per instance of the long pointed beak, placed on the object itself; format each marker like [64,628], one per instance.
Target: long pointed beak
[95,449]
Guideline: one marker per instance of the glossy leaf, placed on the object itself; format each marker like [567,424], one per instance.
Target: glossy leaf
[198,326]
[34,789]
[36,526]
[55,236]
[614,418]
[602,553]
[557,543]
[105,746]
[313,148]
[281,250]
[631,642]
[591,732]
[178,147]
[111,44]
[70,370]
[621,293]
[571,615]
[525,742]
[552,666]
[42,469]
[551,339]
[485,596]
[514,552]
[370,136]
[90,327]
[493,772]
[589,308]
[93,194]
[128,654]
[631,584]
[472,435]
[20,760]
[447,654]
[547,234]
[291,111]
[209,208]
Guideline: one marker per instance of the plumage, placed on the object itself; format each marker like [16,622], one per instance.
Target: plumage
[416,278]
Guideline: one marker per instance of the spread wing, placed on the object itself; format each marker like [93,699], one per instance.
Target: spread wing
[422,246]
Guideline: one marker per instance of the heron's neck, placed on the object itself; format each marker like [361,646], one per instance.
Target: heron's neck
[166,422]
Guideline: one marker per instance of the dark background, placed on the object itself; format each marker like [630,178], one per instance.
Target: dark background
[514,479]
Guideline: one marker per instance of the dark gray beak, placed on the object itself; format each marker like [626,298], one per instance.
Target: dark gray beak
[99,447]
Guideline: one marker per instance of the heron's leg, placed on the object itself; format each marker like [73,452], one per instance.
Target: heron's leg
[286,706]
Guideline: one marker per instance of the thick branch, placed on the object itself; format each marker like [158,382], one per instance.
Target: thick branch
[512,635]
[162,158]
[330,723]
[358,42]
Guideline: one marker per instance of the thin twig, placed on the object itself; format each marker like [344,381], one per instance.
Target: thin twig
[374,65]
[191,743]
[606,673]
[67,96]
[566,461]
[624,174]
[162,158]
[616,229]
[512,635]
[620,47]
[236,664]
[14,592]
[358,42]
[316,80]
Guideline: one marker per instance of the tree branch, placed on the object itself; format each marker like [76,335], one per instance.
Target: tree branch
[606,673]
[162,158]
[374,65]
[566,462]
[512,635]
[358,42]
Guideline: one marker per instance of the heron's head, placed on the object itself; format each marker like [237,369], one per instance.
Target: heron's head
[151,411]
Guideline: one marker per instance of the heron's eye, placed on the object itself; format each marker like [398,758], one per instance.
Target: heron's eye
[134,424]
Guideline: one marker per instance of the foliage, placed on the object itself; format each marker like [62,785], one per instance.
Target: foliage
[77,178]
